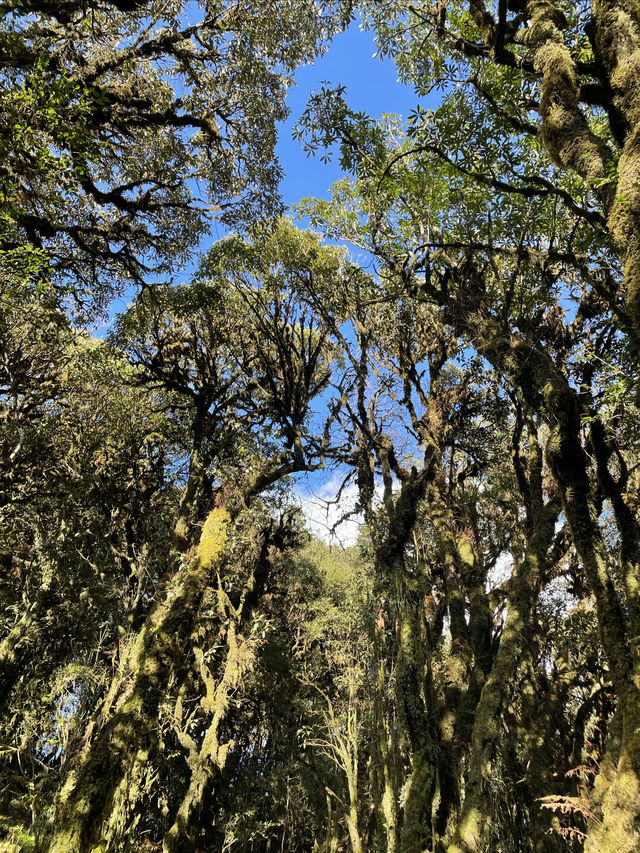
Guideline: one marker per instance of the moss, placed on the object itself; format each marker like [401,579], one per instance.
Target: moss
[67,839]
[214,537]
[417,800]
[212,754]
[389,800]
[448,726]
[21,842]
[565,130]
[624,221]
[466,553]
[389,809]
[617,793]
[100,797]
[618,47]
[470,832]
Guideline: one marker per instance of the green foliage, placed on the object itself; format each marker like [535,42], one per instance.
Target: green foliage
[125,131]
[182,667]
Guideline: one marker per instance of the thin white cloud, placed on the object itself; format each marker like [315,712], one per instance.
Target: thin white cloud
[330,514]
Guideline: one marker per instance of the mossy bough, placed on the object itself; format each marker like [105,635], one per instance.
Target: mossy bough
[93,808]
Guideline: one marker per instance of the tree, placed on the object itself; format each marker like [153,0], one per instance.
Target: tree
[87,494]
[573,66]
[181,667]
[499,277]
[127,127]
[202,346]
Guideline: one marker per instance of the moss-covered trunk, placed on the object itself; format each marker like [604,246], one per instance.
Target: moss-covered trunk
[385,745]
[352,816]
[413,713]
[410,827]
[472,832]
[616,40]
[618,825]
[93,808]
[208,759]
[463,573]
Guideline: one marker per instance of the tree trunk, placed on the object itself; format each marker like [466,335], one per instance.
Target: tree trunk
[103,788]
[472,829]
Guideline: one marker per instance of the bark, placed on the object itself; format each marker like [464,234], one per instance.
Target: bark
[626,523]
[210,758]
[198,463]
[473,828]
[614,31]
[332,838]
[566,132]
[385,743]
[546,389]
[412,832]
[352,813]
[469,658]
[413,715]
[93,808]
[616,36]
[619,827]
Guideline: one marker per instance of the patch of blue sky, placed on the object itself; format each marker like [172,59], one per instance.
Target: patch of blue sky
[372,87]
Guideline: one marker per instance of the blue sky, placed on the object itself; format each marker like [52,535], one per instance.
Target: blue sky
[372,87]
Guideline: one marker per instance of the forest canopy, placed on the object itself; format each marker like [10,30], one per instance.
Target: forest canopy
[454,342]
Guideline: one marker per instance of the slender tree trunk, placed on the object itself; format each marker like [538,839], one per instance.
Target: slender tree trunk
[352,814]
[105,784]
[208,760]
[414,717]
[385,734]
[198,463]
[471,834]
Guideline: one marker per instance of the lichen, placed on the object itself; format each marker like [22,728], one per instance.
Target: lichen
[565,130]
[213,537]
[471,832]
[617,795]
[624,221]
[466,552]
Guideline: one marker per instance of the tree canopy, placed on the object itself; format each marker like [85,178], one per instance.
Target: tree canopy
[454,346]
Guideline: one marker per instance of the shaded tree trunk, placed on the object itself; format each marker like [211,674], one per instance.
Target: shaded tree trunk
[109,776]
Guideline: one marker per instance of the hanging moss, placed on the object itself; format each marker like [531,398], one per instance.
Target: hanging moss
[616,794]
[99,798]
[470,837]
[565,130]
